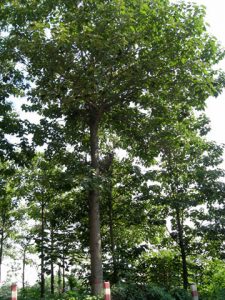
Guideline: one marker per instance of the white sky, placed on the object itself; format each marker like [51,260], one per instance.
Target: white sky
[216,106]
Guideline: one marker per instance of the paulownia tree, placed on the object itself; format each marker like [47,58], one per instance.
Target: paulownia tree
[102,65]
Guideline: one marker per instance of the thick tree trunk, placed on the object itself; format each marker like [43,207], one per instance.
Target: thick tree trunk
[182,249]
[94,213]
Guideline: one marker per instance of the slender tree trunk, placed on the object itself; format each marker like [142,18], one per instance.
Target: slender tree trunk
[111,222]
[23,269]
[42,253]
[52,263]
[59,280]
[52,279]
[1,251]
[182,249]
[94,213]
[63,272]
[112,241]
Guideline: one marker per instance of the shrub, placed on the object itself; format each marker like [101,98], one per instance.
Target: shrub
[5,292]
[139,292]
[181,294]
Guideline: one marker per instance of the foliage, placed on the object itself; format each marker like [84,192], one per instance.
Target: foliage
[125,235]
[213,280]
[180,294]
[139,292]
[29,292]
[32,292]
[161,266]
[189,177]
[218,294]
[5,292]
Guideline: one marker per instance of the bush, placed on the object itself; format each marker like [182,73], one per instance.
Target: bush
[139,292]
[5,292]
[181,294]
[70,296]
[219,294]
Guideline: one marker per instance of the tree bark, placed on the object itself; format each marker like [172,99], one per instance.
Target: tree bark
[111,222]
[112,241]
[52,263]
[182,249]
[1,252]
[24,265]
[59,281]
[42,253]
[63,272]
[94,213]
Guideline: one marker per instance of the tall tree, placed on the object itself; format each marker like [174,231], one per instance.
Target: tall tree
[97,64]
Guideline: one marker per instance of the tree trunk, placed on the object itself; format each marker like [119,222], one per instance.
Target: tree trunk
[52,263]
[42,253]
[111,230]
[52,279]
[182,249]
[59,281]
[1,252]
[94,213]
[63,272]
[112,241]
[23,270]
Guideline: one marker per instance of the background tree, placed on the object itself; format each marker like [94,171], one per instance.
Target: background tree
[189,179]
[10,213]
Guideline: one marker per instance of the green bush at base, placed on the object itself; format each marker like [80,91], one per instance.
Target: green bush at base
[139,292]
[129,291]
[181,294]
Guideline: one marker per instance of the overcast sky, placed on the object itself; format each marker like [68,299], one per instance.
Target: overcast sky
[216,107]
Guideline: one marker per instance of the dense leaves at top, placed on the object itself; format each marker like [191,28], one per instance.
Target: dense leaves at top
[93,57]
